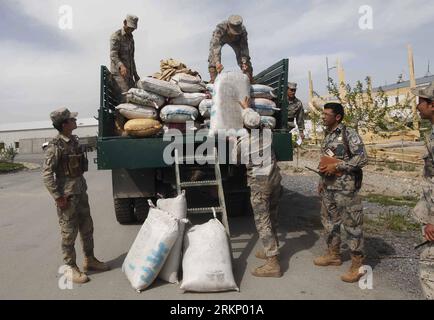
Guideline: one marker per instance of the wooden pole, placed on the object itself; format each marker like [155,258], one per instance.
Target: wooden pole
[315,138]
[412,85]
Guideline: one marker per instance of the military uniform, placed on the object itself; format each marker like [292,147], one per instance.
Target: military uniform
[233,33]
[424,210]
[264,182]
[122,53]
[295,110]
[340,201]
[63,171]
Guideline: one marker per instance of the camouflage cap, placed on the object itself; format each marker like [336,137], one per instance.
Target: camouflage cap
[426,92]
[236,24]
[292,85]
[62,114]
[132,21]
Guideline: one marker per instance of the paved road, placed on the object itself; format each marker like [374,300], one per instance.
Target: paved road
[30,250]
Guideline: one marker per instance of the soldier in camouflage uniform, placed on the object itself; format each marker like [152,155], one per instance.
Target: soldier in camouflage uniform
[295,110]
[264,182]
[62,173]
[233,33]
[424,210]
[339,188]
[123,66]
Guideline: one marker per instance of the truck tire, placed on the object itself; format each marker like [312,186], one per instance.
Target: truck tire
[141,209]
[124,211]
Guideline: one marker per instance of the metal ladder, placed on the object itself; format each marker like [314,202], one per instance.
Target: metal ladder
[206,183]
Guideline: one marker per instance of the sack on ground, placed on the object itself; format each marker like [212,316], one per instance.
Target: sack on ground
[145,98]
[264,107]
[150,249]
[177,207]
[229,89]
[189,99]
[262,91]
[205,108]
[268,122]
[207,265]
[142,127]
[160,87]
[178,114]
[189,83]
[134,111]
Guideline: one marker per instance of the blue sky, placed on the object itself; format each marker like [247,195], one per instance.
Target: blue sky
[45,67]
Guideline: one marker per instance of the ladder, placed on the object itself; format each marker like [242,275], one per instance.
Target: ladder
[211,159]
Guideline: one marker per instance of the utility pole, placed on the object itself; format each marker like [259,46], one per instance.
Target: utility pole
[341,75]
[413,85]
[313,118]
[328,70]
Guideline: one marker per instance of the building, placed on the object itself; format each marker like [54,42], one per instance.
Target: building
[28,137]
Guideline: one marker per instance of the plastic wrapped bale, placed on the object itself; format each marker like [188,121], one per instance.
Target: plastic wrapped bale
[207,264]
[189,99]
[205,108]
[182,127]
[178,114]
[264,107]
[145,98]
[189,83]
[262,91]
[160,87]
[229,89]
[268,122]
[142,128]
[134,111]
[210,88]
[177,207]
[150,249]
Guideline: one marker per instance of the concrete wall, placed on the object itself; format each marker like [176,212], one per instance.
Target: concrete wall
[32,140]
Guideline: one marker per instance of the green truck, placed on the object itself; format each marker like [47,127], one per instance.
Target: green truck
[139,171]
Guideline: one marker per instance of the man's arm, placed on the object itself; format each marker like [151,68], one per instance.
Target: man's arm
[359,156]
[300,117]
[114,51]
[50,165]
[215,47]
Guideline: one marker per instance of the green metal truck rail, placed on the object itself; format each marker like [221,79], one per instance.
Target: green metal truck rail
[135,153]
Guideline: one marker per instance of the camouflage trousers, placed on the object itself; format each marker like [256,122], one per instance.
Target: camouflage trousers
[427,271]
[264,198]
[122,85]
[76,218]
[342,208]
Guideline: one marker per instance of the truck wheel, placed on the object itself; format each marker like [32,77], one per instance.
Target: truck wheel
[124,211]
[141,209]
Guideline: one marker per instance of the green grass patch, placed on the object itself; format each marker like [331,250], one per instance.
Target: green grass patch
[396,166]
[6,167]
[392,222]
[392,201]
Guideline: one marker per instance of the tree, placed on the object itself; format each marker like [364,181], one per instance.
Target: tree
[368,111]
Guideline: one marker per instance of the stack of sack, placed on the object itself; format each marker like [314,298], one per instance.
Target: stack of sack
[162,246]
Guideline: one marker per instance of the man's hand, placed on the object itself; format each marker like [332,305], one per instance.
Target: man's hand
[244,67]
[429,232]
[329,170]
[219,67]
[123,71]
[302,135]
[245,104]
[320,188]
[62,203]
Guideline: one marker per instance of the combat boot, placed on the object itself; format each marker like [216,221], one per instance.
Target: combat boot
[212,74]
[74,274]
[92,264]
[331,258]
[270,269]
[353,274]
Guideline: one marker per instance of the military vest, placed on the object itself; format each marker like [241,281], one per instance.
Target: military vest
[73,160]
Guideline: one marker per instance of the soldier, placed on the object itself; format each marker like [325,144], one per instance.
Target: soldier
[233,33]
[295,110]
[264,181]
[424,210]
[338,188]
[123,66]
[63,171]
